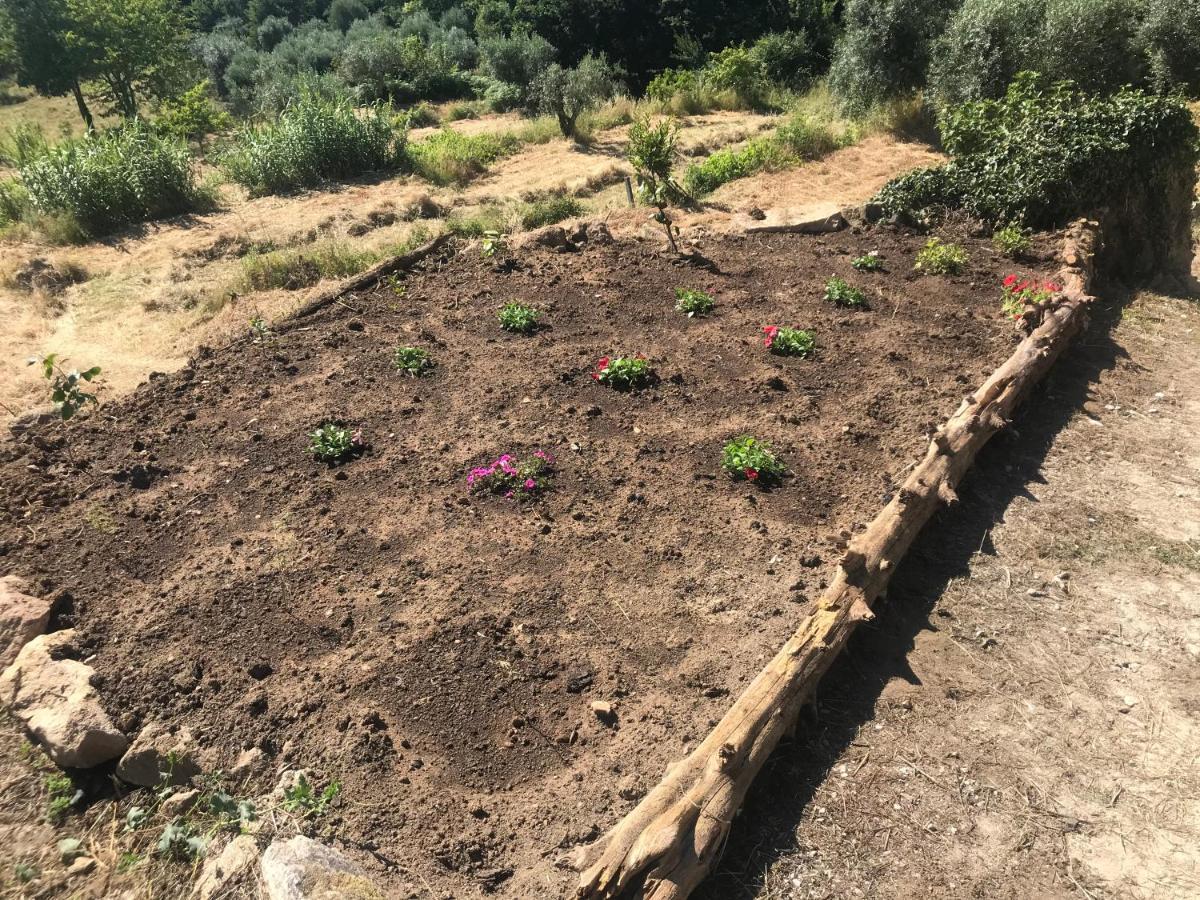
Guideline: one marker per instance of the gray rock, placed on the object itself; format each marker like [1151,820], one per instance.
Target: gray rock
[22,617]
[179,803]
[157,755]
[816,219]
[302,869]
[223,873]
[56,702]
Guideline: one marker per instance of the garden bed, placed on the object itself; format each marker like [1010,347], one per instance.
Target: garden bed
[438,651]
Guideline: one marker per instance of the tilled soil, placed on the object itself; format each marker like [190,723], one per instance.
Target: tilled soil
[435,651]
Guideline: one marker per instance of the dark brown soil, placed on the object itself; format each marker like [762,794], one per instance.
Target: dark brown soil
[435,651]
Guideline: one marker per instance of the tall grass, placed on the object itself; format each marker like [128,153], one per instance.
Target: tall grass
[315,140]
[105,181]
[294,269]
[450,157]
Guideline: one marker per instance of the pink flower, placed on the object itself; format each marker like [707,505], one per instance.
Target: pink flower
[530,484]
[770,331]
[751,474]
[602,364]
[508,494]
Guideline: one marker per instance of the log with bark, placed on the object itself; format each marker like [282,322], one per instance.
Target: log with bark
[671,840]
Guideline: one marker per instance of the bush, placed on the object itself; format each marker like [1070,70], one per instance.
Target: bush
[668,83]
[1171,36]
[568,92]
[1011,240]
[984,46]
[314,140]
[388,66]
[550,210]
[344,13]
[1046,153]
[271,31]
[738,70]
[450,157]
[787,58]
[192,116]
[884,50]
[106,181]
[22,144]
[516,60]
[1093,42]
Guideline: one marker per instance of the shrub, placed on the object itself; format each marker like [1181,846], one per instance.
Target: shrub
[1171,36]
[839,293]
[192,116]
[1093,42]
[22,144]
[413,361]
[669,83]
[67,387]
[420,115]
[568,92]
[271,31]
[694,303]
[344,13]
[314,140]
[549,210]
[516,60]
[14,202]
[750,459]
[868,262]
[511,477]
[388,66]
[738,70]
[333,442]
[109,180]
[519,318]
[1011,240]
[623,372]
[1045,153]
[787,58]
[938,258]
[785,341]
[450,157]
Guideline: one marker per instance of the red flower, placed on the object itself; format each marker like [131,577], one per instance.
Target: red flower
[1052,287]
[770,331]
[602,364]
[595,377]
[1010,280]
[751,474]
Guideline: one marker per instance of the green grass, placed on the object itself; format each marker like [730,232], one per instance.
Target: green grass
[291,270]
[452,158]
[549,210]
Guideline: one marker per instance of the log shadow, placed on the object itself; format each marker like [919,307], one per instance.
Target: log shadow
[878,652]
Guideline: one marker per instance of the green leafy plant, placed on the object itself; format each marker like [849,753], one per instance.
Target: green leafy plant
[693,302]
[66,388]
[303,798]
[24,872]
[939,258]
[623,372]
[61,796]
[451,157]
[1011,240]
[70,849]
[413,361]
[652,152]
[785,341]
[840,293]
[179,841]
[519,318]
[868,262]
[493,243]
[750,459]
[137,817]
[513,477]
[230,812]
[549,210]
[333,442]
[260,331]
[1022,294]
[193,115]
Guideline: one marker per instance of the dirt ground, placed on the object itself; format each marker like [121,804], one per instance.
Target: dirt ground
[1021,721]
[438,653]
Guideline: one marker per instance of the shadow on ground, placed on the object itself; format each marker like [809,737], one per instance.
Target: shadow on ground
[766,829]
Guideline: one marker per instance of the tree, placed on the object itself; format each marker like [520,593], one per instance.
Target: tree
[45,61]
[132,48]
[193,116]
[652,152]
[1171,35]
[344,13]
[568,92]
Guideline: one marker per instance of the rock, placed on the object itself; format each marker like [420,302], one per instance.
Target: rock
[872,212]
[248,763]
[807,220]
[233,867]
[553,237]
[603,710]
[22,618]
[56,702]
[179,803]
[302,869]
[81,866]
[157,755]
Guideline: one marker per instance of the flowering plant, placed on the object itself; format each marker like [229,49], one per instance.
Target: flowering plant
[693,302]
[749,458]
[332,442]
[623,372]
[1020,294]
[868,262]
[509,476]
[787,341]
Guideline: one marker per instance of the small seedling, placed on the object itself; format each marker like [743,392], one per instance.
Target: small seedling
[24,872]
[838,292]
[231,813]
[62,796]
[303,798]
[868,262]
[509,476]
[519,318]
[413,361]
[332,442]
[937,258]
[694,303]
[66,388]
[750,459]
[1012,241]
[397,284]
[785,341]
[260,331]
[623,372]
[493,244]
[1020,294]
[179,842]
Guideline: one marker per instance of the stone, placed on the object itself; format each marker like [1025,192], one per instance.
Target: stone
[179,803]
[818,219]
[22,617]
[303,869]
[223,873]
[81,866]
[157,755]
[604,711]
[249,762]
[56,702]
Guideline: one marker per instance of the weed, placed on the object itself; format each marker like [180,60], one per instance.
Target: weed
[785,341]
[509,476]
[332,442]
[693,302]
[550,210]
[450,157]
[62,795]
[99,519]
[413,361]
[179,841]
[938,258]
[24,872]
[1011,240]
[749,458]
[231,813]
[518,317]
[623,372]
[302,797]
[291,270]
[260,331]
[66,388]
[128,861]
[396,282]
[868,262]
[493,243]
[838,292]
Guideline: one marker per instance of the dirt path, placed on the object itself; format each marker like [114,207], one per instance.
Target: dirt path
[1022,721]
